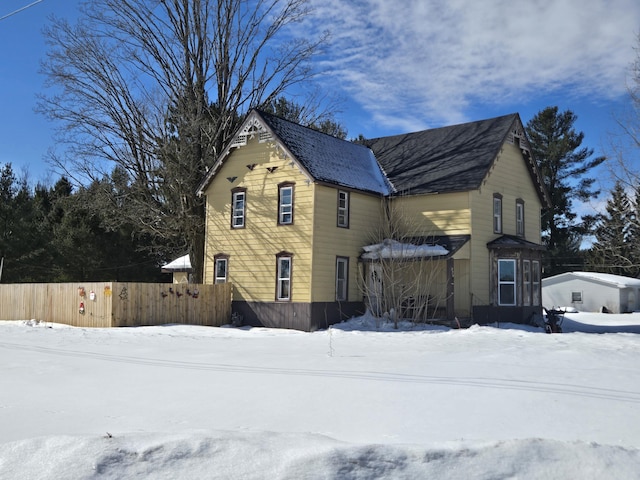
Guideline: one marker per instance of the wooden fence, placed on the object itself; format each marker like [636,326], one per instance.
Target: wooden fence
[116,304]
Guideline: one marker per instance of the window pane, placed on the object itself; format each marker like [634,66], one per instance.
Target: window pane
[343,209]
[221,270]
[506,282]
[341,278]
[507,270]
[285,209]
[284,268]
[526,277]
[284,278]
[238,209]
[284,289]
[519,219]
[507,294]
[535,272]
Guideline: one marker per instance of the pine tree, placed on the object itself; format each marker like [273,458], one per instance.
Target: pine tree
[612,252]
[556,147]
[634,233]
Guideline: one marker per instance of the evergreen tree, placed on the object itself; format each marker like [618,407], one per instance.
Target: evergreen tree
[634,233]
[306,115]
[612,251]
[563,164]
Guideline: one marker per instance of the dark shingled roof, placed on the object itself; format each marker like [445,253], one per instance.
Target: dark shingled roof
[511,242]
[447,159]
[441,160]
[329,159]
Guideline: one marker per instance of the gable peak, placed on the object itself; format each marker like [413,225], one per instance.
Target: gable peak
[518,137]
[253,127]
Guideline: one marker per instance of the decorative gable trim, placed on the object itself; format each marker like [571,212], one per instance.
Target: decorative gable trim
[252,127]
[518,137]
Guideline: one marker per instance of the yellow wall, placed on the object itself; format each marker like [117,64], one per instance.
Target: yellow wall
[329,240]
[440,214]
[253,249]
[509,177]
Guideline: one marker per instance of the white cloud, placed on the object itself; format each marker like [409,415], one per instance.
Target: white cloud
[433,59]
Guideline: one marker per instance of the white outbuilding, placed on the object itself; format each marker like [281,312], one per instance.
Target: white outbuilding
[180,268]
[592,292]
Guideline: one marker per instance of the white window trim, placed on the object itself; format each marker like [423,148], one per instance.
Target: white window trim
[285,209]
[238,213]
[224,261]
[497,214]
[520,218]
[343,211]
[342,284]
[512,283]
[281,279]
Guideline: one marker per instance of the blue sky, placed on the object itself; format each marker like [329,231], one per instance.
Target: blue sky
[400,66]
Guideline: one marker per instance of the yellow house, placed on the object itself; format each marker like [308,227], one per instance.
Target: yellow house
[296,220]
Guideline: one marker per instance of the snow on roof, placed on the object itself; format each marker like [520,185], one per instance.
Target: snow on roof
[616,280]
[394,249]
[179,264]
[330,159]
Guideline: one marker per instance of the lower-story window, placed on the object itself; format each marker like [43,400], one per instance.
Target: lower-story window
[535,277]
[526,282]
[506,282]
[221,268]
[283,285]
[342,276]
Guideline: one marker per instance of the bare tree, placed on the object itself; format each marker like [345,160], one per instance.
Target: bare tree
[624,143]
[404,269]
[148,92]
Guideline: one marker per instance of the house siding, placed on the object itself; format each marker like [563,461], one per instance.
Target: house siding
[436,214]
[510,178]
[442,214]
[331,241]
[252,250]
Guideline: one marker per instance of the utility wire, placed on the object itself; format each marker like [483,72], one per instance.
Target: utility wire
[20,9]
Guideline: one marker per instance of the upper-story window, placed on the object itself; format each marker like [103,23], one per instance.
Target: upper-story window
[238,207]
[343,209]
[520,217]
[497,213]
[221,268]
[285,203]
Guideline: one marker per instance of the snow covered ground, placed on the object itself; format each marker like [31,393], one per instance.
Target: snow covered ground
[352,402]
